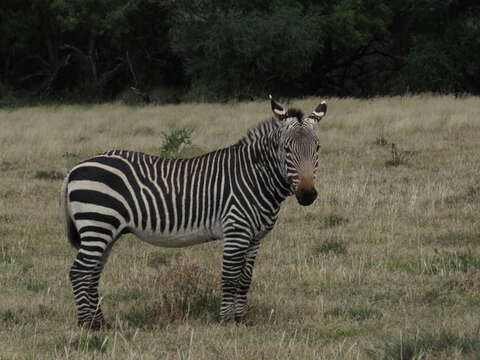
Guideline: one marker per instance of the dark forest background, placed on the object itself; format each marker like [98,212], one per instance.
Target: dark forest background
[199,50]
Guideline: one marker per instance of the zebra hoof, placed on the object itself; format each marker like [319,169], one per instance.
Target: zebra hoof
[240,319]
[227,319]
[95,325]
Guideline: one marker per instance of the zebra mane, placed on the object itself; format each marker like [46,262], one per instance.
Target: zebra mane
[267,126]
[262,129]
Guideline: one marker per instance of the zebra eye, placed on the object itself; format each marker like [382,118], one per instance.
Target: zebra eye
[318,148]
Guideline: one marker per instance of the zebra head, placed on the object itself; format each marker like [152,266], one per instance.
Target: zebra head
[298,149]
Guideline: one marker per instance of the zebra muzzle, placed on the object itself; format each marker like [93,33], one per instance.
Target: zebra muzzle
[306,197]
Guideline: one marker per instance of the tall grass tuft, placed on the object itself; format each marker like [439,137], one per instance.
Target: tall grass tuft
[398,157]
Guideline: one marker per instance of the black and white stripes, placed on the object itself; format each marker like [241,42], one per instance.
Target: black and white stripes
[233,194]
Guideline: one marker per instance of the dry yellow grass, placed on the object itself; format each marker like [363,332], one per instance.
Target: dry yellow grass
[385,253]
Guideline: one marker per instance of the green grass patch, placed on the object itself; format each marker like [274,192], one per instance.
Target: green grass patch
[423,344]
[48,175]
[381,140]
[80,139]
[36,285]
[86,342]
[126,295]
[470,195]
[452,261]
[440,262]
[334,220]
[330,247]
[70,155]
[356,314]
[159,259]
[144,131]
[6,166]
[7,259]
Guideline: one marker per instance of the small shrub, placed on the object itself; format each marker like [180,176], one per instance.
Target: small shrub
[175,141]
[334,247]
[410,347]
[48,175]
[381,140]
[334,220]
[398,157]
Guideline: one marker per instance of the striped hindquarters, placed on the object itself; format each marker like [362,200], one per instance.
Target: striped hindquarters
[128,191]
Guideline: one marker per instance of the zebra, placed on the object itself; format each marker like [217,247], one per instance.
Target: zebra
[231,194]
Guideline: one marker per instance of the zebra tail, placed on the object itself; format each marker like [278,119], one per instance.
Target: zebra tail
[72,233]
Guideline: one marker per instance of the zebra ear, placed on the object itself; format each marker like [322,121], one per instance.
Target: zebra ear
[279,112]
[319,112]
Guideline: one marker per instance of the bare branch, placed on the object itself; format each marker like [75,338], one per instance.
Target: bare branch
[130,66]
[143,95]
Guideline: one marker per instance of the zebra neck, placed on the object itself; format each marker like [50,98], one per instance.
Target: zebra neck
[267,167]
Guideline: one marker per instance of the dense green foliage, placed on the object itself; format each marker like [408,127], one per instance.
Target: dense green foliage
[93,50]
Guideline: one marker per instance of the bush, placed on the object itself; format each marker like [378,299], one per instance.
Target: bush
[235,54]
[175,142]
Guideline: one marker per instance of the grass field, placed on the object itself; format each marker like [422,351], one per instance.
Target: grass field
[384,265]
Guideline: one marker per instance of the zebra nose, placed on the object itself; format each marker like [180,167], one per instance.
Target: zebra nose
[306,197]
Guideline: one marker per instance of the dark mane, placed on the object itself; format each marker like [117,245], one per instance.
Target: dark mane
[295,113]
[258,131]
[269,125]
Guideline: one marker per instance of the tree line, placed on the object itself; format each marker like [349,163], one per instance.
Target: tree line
[215,50]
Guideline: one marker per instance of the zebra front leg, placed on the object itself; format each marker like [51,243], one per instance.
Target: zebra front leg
[85,276]
[245,280]
[235,248]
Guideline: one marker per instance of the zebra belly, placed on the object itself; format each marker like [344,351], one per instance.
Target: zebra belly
[180,239]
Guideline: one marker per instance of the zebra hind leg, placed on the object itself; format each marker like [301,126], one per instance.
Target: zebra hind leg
[85,276]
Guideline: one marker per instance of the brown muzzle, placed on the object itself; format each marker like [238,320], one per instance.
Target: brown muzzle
[306,193]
